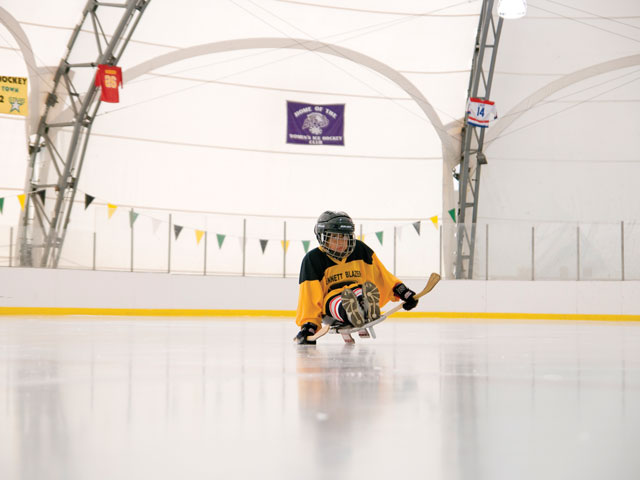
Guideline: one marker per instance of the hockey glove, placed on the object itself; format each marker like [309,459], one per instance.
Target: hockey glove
[306,330]
[407,295]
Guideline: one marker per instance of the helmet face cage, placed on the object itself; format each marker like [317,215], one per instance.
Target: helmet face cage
[332,230]
[337,241]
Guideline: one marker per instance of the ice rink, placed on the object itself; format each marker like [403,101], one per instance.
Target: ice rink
[155,398]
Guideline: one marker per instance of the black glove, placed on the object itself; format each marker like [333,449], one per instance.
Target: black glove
[306,330]
[407,295]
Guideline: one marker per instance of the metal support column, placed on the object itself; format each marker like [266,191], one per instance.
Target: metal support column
[472,156]
[41,236]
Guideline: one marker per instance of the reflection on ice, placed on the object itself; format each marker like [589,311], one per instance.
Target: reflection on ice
[234,398]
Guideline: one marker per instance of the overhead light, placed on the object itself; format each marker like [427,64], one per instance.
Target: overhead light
[511,9]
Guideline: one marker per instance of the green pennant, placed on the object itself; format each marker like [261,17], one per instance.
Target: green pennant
[305,245]
[263,244]
[220,238]
[452,212]
[1,204]
[379,235]
[133,216]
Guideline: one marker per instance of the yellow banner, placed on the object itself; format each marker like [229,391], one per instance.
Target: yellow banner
[13,95]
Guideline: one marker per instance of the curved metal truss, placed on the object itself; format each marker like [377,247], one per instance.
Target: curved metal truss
[472,156]
[111,26]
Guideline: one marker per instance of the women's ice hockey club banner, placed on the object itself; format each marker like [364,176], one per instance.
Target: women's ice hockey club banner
[13,95]
[315,124]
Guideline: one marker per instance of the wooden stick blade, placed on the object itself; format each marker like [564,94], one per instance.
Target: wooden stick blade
[431,283]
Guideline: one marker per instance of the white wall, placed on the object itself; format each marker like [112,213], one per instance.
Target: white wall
[87,289]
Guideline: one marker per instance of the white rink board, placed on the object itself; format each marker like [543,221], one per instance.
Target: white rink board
[24,287]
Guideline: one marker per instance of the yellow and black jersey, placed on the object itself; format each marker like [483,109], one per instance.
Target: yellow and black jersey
[322,277]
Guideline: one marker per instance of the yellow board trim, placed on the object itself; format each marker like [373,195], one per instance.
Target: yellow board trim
[403,316]
[520,316]
[144,312]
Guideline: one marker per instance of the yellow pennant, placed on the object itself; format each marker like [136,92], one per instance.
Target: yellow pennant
[21,199]
[112,209]
[434,219]
[361,237]
[285,245]
[199,235]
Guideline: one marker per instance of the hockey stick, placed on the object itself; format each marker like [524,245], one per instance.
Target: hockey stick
[434,278]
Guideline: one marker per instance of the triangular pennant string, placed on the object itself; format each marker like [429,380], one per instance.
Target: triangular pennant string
[42,194]
[176,230]
[305,245]
[21,199]
[133,216]
[380,235]
[1,205]
[416,225]
[87,200]
[199,235]
[452,212]
[263,244]
[285,245]
[220,238]
[111,209]
[434,219]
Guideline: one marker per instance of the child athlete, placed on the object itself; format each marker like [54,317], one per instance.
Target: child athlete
[342,281]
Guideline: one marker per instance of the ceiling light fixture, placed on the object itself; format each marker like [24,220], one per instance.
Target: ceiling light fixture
[512,9]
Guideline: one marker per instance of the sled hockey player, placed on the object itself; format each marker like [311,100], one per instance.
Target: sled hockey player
[342,281]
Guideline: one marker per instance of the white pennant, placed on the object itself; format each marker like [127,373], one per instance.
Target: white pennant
[155,224]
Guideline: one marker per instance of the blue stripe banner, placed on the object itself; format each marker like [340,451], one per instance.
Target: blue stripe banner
[309,124]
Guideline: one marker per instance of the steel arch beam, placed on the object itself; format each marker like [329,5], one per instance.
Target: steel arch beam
[300,44]
[26,50]
[543,93]
[447,140]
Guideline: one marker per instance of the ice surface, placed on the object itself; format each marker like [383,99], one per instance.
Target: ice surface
[134,398]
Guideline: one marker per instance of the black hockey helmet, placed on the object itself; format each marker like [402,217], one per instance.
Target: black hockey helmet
[332,223]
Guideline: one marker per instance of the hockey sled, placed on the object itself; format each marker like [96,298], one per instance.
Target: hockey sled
[366,330]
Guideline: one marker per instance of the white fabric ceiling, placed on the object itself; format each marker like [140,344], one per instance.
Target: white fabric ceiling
[208,133]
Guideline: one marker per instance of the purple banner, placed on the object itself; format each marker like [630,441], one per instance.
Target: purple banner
[315,124]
